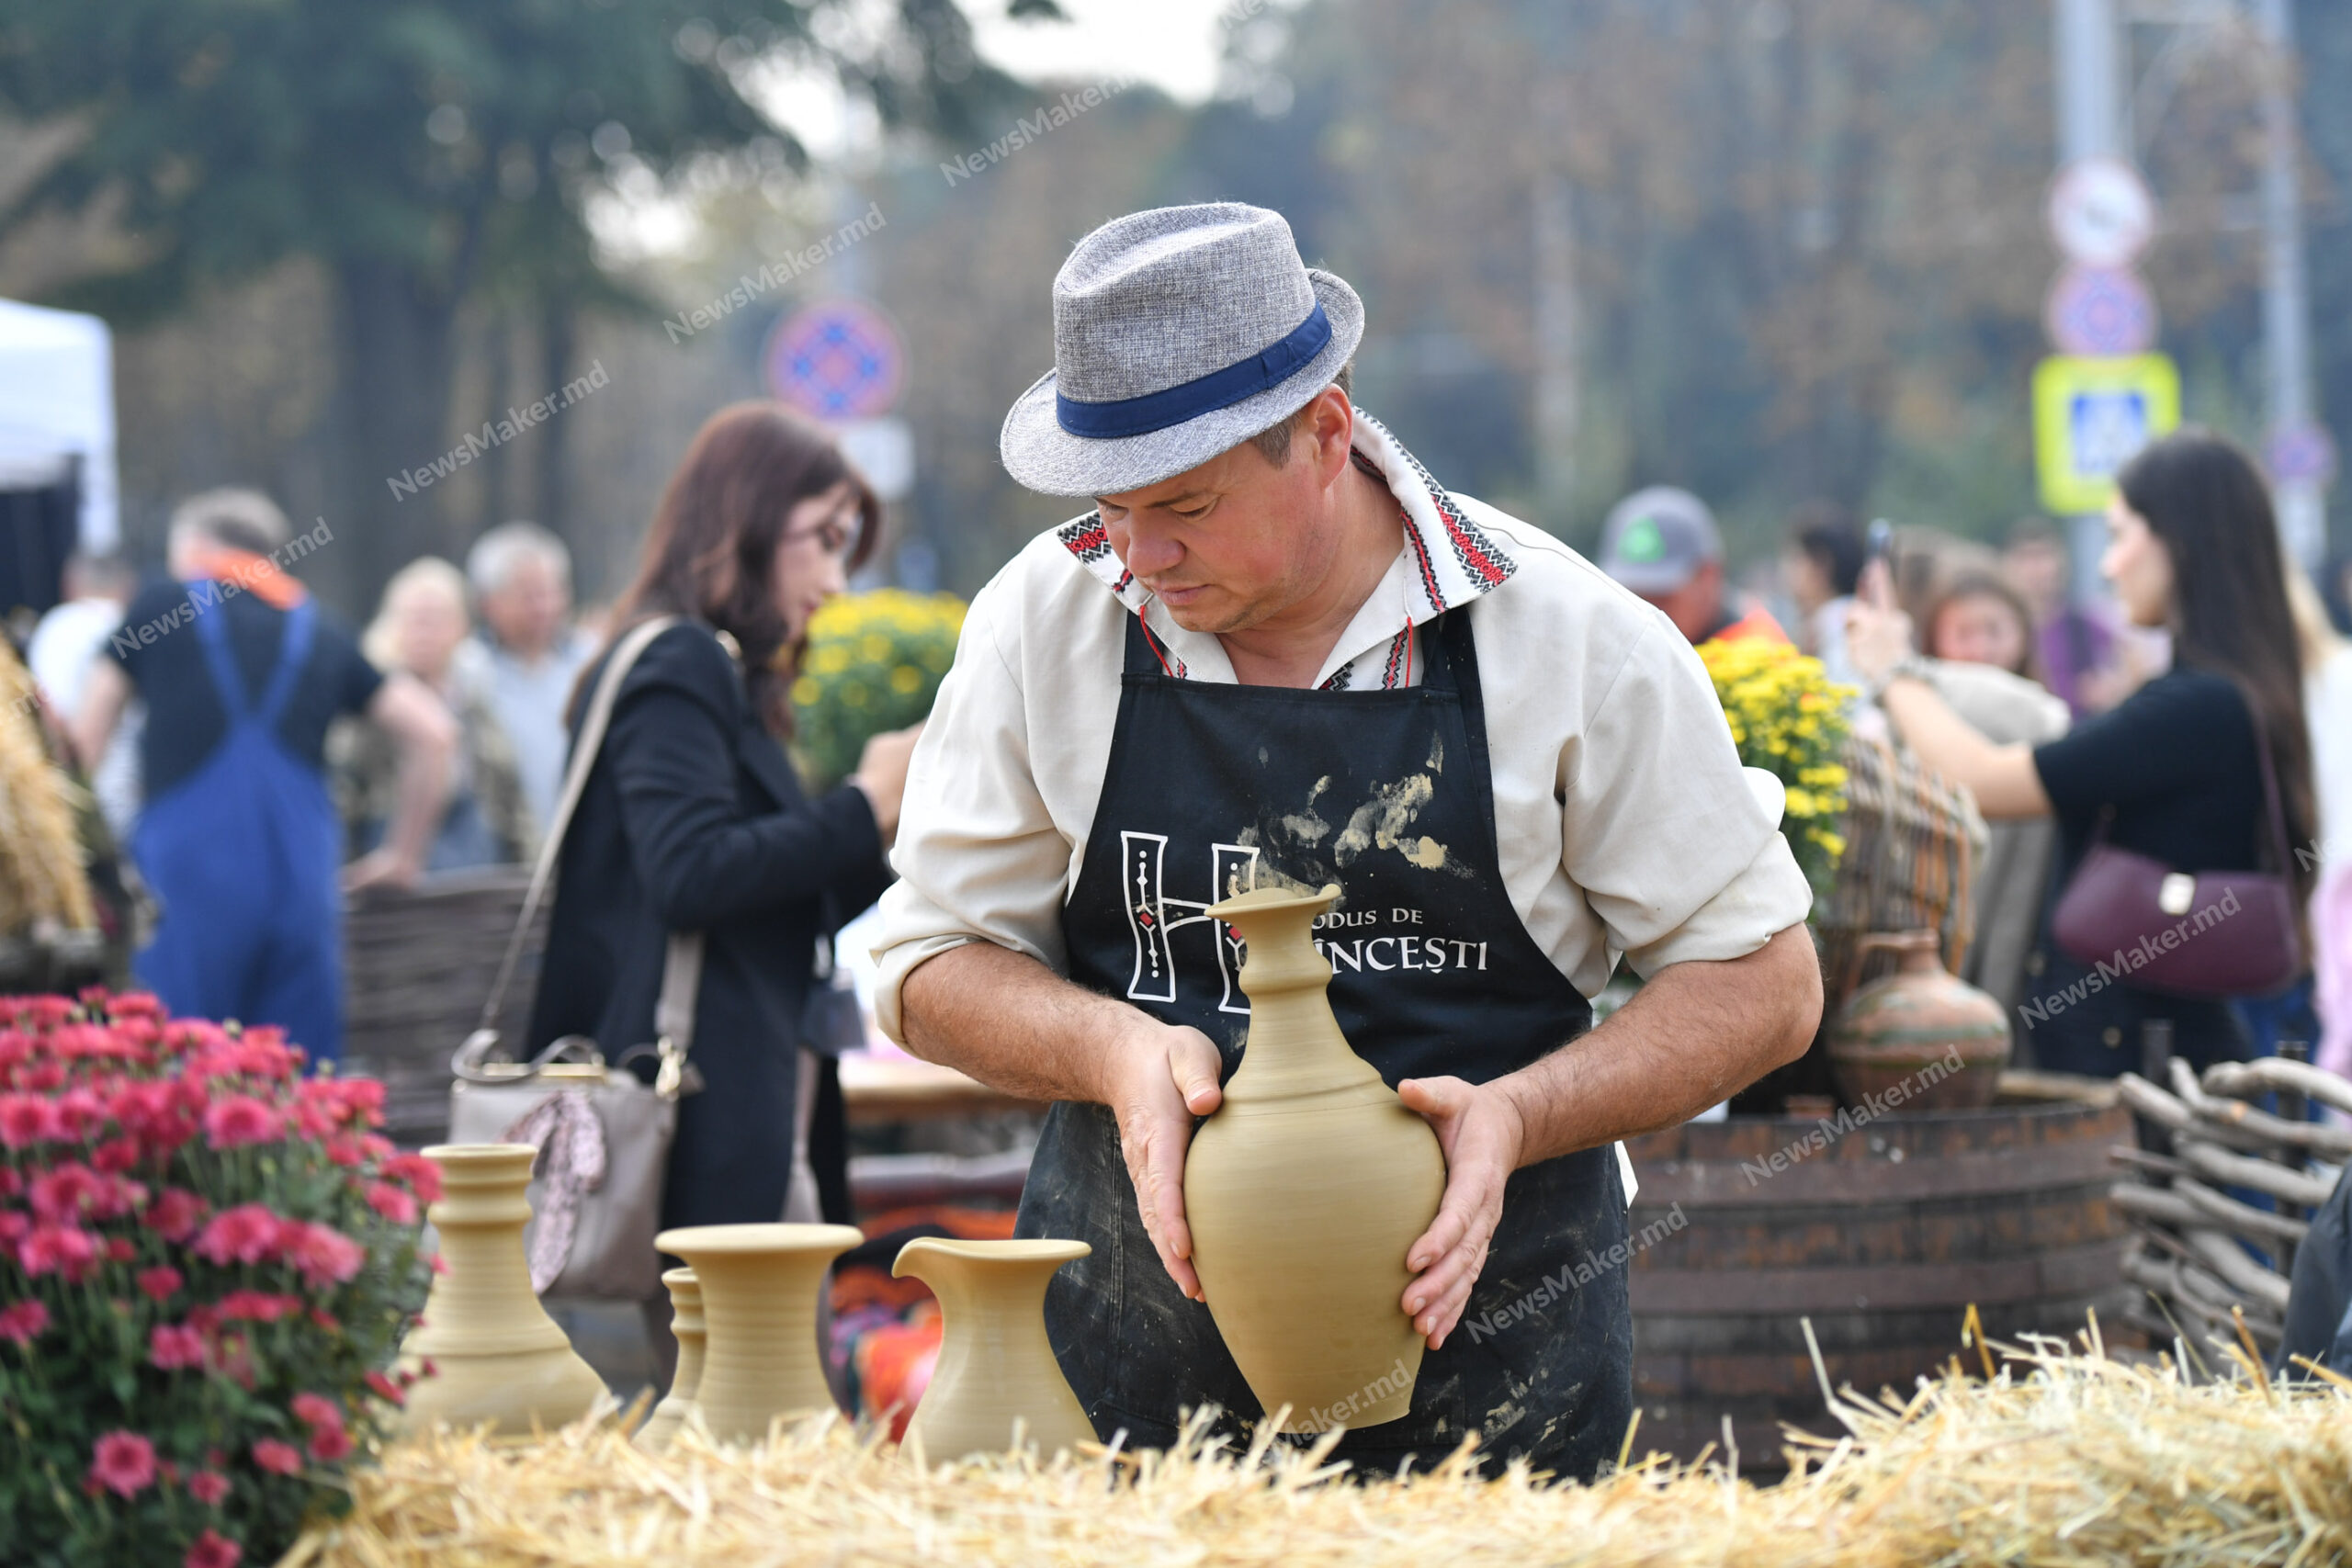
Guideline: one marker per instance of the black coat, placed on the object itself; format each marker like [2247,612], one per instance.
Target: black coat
[692,819]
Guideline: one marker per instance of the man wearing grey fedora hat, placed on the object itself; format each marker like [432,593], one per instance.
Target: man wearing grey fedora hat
[1277,652]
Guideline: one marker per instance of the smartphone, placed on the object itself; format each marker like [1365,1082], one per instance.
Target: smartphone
[1878,548]
[1878,544]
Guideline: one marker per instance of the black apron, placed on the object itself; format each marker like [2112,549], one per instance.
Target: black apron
[1387,794]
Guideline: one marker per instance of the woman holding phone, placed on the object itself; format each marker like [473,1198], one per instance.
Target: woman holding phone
[2176,772]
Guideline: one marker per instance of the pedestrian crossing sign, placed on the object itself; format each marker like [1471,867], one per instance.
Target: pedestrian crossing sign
[2091,415]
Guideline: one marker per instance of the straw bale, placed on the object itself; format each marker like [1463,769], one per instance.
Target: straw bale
[2058,1460]
[42,877]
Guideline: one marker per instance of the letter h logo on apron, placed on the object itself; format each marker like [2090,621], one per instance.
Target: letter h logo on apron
[1233,868]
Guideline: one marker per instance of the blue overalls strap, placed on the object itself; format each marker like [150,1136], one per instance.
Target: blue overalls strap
[293,656]
[213,635]
[293,653]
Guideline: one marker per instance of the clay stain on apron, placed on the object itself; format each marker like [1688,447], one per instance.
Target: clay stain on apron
[1386,821]
[1305,825]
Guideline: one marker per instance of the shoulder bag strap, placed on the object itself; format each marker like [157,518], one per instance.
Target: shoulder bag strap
[484,1039]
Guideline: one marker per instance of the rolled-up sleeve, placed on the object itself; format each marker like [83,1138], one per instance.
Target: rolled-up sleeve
[1673,851]
[978,856]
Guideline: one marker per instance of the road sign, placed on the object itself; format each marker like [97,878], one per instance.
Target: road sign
[836,360]
[2100,212]
[2091,416]
[2303,454]
[2099,310]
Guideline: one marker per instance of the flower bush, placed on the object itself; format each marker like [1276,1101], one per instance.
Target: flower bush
[1789,718]
[206,1263]
[873,663]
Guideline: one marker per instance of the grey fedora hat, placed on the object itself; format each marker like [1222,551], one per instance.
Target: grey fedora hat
[1178,334]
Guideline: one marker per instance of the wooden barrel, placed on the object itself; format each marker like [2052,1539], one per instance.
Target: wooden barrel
[1880,1235]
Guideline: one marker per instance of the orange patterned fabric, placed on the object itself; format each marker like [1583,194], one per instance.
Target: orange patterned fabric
[888,1329]
[894,1366]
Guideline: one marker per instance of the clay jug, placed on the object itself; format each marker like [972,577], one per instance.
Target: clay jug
[996,1373]
[497,1356]
[686,1327]
[1920,1038]
[759,1313]
[1305,1188]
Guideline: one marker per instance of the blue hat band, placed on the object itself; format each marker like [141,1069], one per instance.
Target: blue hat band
[1205,394]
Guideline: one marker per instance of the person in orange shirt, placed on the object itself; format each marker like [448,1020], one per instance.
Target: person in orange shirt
[1663,544]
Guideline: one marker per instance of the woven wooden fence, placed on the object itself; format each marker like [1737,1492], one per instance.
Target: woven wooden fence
[418,966]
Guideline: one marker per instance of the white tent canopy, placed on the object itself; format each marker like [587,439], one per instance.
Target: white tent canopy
[56,405]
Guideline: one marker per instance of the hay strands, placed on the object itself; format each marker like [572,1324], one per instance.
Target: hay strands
[2065,1459]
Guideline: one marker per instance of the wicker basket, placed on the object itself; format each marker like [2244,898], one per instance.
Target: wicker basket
[1912,841]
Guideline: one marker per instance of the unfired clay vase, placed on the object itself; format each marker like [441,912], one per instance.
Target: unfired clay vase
[759,1313]
[1305,1187]
[497,1356]
[1903,1029]
[995,1371]
[686,1327]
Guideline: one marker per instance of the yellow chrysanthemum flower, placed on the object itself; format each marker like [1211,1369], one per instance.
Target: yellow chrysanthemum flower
[874,662]
[1786,718]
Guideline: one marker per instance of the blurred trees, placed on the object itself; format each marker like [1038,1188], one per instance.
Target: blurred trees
[1803,230]
[430,155]
[1807,254]
[1803,246]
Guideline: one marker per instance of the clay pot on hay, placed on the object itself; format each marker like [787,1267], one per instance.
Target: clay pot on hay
[687,1327]
[497,1356]
[996,1377]
[759,1310]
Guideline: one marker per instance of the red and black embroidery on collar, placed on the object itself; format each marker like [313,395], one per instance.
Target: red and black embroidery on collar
[1480,559]
[1400,660]
[1086,538]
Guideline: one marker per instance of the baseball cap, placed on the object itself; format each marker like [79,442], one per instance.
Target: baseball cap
[1657,539]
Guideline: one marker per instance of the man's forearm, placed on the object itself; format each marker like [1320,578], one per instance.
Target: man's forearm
[1005,1019]
[1691,1038]
[420,796]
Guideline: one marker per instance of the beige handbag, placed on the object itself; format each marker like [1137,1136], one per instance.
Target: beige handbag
[603,1135]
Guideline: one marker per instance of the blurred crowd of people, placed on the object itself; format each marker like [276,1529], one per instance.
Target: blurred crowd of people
[258,760]
[261,761]
[2141,715]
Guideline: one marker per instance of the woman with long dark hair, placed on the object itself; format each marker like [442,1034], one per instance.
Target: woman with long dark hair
[693,821]
[2192,547]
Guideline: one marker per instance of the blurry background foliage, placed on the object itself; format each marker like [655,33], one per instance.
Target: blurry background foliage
[1771,250]
[873,663]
